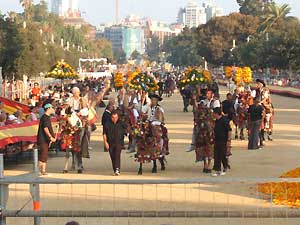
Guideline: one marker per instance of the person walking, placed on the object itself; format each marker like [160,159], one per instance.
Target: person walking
[106,116]
[222,133]
[186,96]
[45,136]
[255,113]
[113,136]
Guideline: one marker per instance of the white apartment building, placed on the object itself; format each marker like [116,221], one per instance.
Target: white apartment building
[195,14]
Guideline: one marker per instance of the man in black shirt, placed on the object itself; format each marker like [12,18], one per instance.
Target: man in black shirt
[222,133]
[44,137]
[113,136]
[228,107]
[255,111]
[106,117]
[186,96]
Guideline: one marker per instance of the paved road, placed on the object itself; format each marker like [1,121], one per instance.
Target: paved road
[276,158]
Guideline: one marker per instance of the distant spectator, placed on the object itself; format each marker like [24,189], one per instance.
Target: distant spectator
[3,117]
[19,115]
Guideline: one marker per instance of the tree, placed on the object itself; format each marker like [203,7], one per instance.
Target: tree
[101,48]
[33,59]
[275,13]
[215,39]
[153,48]
[11,47]
[135,55]
[182,50]
[253,7]
[27,5]
[120,56]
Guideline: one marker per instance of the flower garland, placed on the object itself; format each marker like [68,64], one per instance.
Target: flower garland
[238,76]
[243,75]
[283,193]
[143,82]
[195,77]
[62,70]
[247,75]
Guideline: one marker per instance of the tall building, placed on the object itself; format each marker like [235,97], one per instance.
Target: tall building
[128,38]
[212,10]
[65,8]
[56,6]
[161,30]
[195,14]
[181,16]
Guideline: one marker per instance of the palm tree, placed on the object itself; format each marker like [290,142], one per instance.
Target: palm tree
[275,13]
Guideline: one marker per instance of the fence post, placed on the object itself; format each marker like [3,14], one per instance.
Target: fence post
[35,188]
[3,192]
[35,161]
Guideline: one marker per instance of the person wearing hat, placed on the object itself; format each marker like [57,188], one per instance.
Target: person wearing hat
[156,118]
[154,111]
[209,102]
[260,84]
[45,136]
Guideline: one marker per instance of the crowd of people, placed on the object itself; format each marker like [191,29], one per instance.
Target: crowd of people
[139,116]
[246,112]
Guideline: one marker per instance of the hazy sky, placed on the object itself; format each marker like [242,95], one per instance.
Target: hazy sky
[100,11]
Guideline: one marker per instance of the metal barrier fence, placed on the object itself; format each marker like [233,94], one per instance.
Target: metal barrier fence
[143,201]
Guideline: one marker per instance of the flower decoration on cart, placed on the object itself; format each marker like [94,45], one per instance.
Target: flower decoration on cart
[194,76]
[143,82]
[62,70]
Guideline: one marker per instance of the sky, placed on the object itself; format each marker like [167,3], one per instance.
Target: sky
[102,11]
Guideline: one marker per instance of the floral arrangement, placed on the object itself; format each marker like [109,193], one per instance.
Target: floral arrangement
[193,76]
[228,72]
[247,75]
[62,70]
[143,82]
[131,75]
[119,80]
[243,75]
[283,193]
[238,76]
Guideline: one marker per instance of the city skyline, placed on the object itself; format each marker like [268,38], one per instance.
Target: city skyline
[101,11]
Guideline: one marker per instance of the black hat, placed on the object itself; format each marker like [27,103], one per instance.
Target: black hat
[261,81]
[155,96]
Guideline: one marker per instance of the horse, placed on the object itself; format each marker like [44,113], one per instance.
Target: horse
[152,144]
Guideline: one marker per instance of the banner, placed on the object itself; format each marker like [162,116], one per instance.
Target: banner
[27,131]
[11,107]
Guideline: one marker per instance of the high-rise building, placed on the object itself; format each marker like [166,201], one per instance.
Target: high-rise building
[181,16]
[64,8]
[195,14]
[212,10]
[56,6]
[128,38]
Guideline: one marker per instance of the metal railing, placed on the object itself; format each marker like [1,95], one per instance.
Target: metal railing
[228,198]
